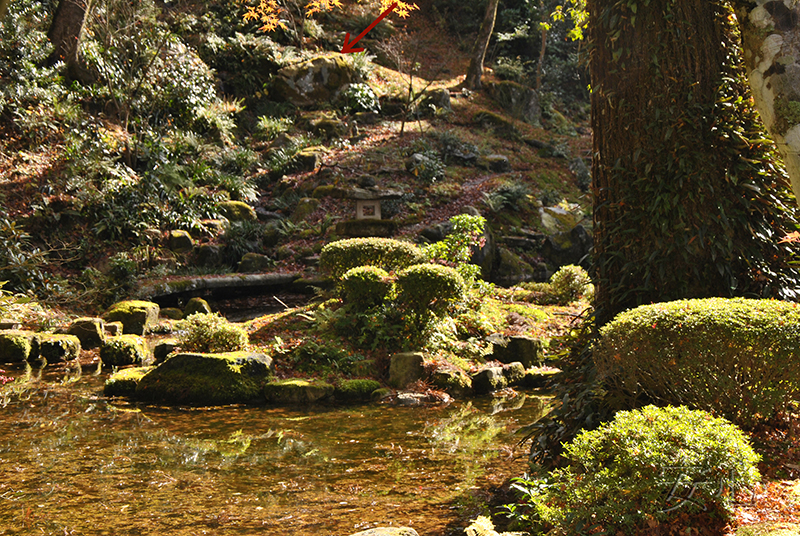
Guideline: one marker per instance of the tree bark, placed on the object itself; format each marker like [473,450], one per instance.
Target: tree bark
[771,46]
[680,210]
[65,34]
[475,70]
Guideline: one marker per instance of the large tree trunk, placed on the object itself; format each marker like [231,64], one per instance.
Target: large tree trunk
[678,213]
[475,70]
[771,43]
[65,34]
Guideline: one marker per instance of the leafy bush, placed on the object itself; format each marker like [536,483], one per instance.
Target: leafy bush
[268,128]
[204,332]
[20,262]
[425,289]
[733,357]
[366,286]
[359,98]
[427,166]
[240,238]
[313,356]
[569,284]
[338,257]
[507,196]
[456,248]
[653,463]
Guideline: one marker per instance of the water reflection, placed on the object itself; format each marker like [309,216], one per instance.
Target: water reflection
[73,462]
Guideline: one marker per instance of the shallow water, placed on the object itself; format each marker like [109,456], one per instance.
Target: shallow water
[75,462]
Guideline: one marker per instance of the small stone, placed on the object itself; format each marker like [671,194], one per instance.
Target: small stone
[254,263]
[237,211]
[196,305]
[180,241]
[173,313]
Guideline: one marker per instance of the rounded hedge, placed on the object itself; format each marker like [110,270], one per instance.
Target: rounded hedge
[651,463]
[366,286]
[338,257]
[429,287]
[739,358]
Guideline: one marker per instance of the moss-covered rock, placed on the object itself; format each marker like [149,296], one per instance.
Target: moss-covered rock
[298,391]
[173,313]
[55,348]
[124,382]
[113,329]
[538,377]
[514,373]
[455,383]
[254,263]
[305,207]
[237,211]
[527,350]
[405,368]
[15,345]
[123,350]
[510,269]
[314,81]
[196,305]
[163,348]
[488,380]
[90,331]
[136,316]
[497,123]
[207,379]
[521,102]
[359,390]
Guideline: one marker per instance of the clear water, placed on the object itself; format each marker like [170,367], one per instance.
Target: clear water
[75,462]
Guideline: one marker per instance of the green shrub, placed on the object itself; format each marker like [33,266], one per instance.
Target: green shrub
[734,357]
[366,286]
[338,257]
[653,463]
[569,284]
[359,98]
[211,333]
[456,249]
[429,288]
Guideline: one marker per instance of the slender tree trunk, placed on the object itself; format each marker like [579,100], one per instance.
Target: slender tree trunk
[771,43]
[4,9]
[542,49]
[475,70]
[65,34]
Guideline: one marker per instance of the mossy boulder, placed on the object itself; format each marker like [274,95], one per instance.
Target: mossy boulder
[173,313]
[55,348]
[496,123]
[163,348]
[514,373]
[15,345]
[527,350]
[124,382]
[180,241]
[254,263]
[521,102]
[113,329]
[196,305]
[298,391]
[123,350]
[136,316]
[207,379]
[510,269]
[455,383]
[90,331]
[405,368]
[308,158]
[314,81]
[359,390]
[237,211]
[488,380]
[305,207]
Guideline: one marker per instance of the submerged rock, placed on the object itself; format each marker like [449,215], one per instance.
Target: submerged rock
[387,531]
[207,379]
[55,348]
[298,391]
[15,346]
[124,382]
[123,350]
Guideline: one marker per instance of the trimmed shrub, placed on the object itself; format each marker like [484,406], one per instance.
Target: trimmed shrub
[733,357]
[569,284]
[211,333]
[429,288]
[338,257]
[652,463]
[366,286]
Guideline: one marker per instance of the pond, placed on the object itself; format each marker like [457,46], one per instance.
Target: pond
[75,462]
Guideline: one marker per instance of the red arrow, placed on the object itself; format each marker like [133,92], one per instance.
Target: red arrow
[348,46]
